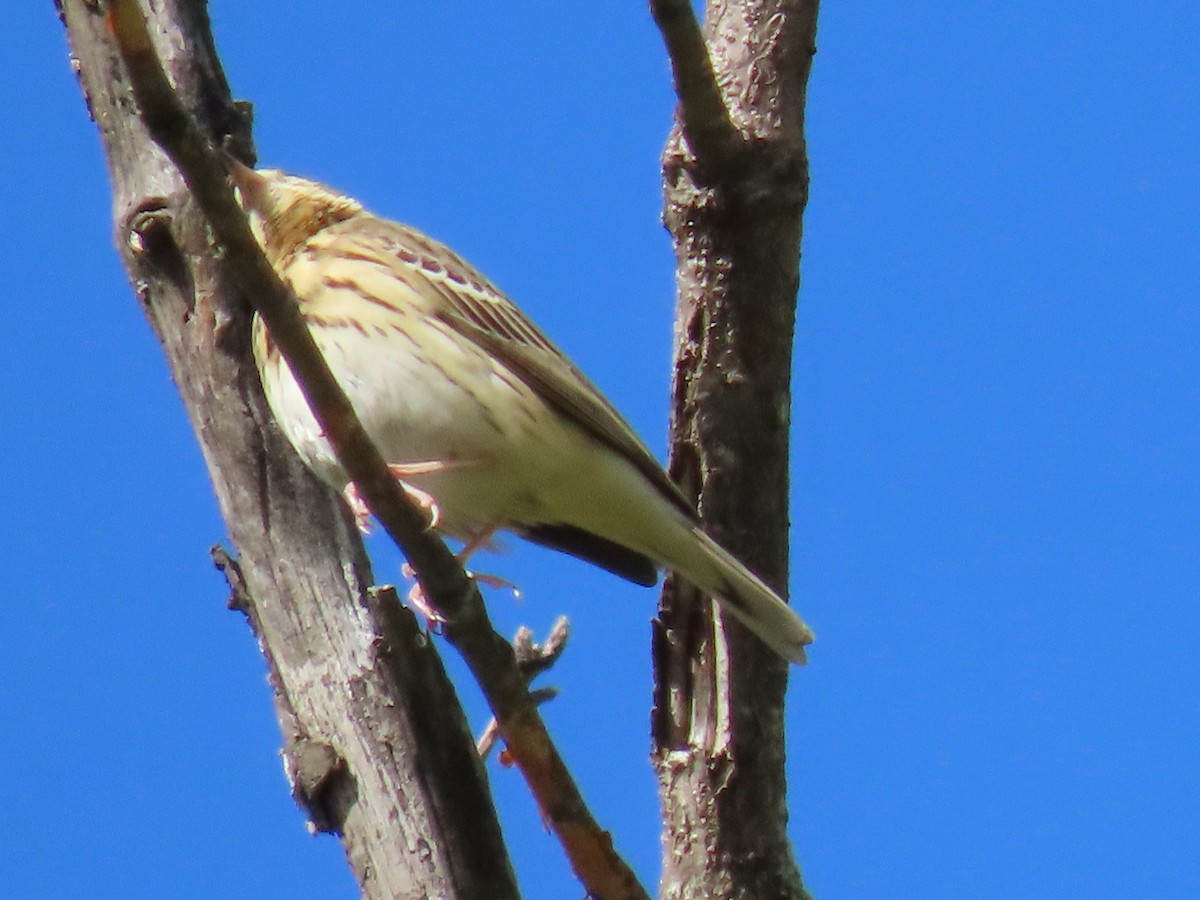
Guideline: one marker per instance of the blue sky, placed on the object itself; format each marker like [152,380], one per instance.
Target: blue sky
[995,472]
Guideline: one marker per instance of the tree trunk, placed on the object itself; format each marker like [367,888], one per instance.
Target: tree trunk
[376,744]
[734,212]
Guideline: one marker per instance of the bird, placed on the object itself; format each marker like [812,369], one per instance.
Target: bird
[484,421]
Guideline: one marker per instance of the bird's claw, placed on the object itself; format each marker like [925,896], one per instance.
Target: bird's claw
[362,515]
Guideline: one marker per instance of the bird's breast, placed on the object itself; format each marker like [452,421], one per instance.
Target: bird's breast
[480,436]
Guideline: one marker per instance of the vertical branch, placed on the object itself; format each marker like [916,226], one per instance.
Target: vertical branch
[734,209]
[362,698]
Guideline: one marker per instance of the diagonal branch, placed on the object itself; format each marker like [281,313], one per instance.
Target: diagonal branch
[490,657]
[380,695]
[204,172]
[703,115]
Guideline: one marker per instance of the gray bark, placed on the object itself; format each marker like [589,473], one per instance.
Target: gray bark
[376,744]
[734,205]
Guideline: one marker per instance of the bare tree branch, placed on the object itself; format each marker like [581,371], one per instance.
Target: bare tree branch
[703,115]
[446,585]
[204,172]
[735,217]
[532,659]
[360,695]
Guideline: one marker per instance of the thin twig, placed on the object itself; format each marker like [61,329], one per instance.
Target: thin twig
[595,862]
[532,659]
[486,741]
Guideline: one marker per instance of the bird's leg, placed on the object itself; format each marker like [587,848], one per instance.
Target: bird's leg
[423,499]
[476,543]
[416,599]
[480,540]
[362,515]
[416,595]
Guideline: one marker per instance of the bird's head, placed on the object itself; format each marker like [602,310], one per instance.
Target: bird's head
[284,211]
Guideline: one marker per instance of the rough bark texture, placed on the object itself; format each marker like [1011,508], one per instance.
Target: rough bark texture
[375,742]
[734,211]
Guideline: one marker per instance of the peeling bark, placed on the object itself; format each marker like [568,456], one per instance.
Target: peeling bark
[375,742]
[734,210]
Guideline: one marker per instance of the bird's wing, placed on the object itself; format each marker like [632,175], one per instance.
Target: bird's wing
[467,302]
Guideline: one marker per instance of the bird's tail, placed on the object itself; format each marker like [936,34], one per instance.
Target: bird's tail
[710,567]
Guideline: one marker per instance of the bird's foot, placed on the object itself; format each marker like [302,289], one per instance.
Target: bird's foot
[423,499]
[416,594]
[416,599]
[358,508]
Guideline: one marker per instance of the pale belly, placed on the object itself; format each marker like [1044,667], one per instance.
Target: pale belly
[481,443]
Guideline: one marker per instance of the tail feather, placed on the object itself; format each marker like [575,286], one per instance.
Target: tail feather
[717,572]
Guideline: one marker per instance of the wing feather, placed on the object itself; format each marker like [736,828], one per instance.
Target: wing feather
[467,302]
